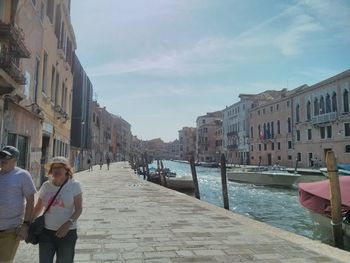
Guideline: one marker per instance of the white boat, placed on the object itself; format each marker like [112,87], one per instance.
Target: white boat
[182,183]
[273,176]
[315,197]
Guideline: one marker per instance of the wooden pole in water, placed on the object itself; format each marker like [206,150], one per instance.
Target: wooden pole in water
[162,174]
[194,177]
[224,182]
[146,165]
[335,198]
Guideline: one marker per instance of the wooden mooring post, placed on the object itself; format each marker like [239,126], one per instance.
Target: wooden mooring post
[162,174]
[224,181]
[194,177]
[335,198]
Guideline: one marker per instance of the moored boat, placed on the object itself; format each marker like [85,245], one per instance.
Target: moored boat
[343,170]
[272,176]
[315,197]
[182,183]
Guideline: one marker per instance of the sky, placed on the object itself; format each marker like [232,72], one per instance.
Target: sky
[159,64]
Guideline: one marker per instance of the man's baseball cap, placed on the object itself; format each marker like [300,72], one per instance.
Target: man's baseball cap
[9,152]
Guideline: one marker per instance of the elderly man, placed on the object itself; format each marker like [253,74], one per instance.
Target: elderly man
[16,203]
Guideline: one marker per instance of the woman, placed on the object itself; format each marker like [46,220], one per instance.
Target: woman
[60,232]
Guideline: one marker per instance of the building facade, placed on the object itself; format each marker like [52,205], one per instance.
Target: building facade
[187,143]
[81,128]
[207,150]
[321,121]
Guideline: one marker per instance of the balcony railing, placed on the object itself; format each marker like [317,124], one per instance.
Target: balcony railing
[9,65]
[232,133]
[15,38]
[324,118]
[232,146]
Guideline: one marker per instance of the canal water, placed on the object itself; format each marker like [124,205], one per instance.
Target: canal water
[278,207]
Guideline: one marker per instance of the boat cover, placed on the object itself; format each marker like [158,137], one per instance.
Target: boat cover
[315,196]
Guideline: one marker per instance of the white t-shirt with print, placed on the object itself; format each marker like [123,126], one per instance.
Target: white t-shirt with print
[63,206]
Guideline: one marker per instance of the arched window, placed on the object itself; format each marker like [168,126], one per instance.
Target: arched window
[346,100]
[316,107]
[334,102]
[308,110]
[328,103]
[322,106]
[297,114]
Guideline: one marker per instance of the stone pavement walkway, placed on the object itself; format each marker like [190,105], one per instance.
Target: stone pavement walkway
[129,220]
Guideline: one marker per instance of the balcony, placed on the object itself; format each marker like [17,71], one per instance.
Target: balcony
[14,38]
[324,118]
[9,65]
[232,134]
[232,146]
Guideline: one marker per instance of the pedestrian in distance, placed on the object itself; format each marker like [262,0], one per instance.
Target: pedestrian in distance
[101,163]
[89,162]
[60,232]
[108,160]
[16,203]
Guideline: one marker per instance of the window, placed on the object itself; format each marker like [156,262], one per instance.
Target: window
[42,10]
[289,157]
[57,88]
[334,102]
[322,106]
[297,116]
[289,125]
[347,148]
[278,127]
[259,112]
[288,103]
[277,107]
[53,92]
[271,108]
[50,9]
[44,72]
[328,103]
[299,157]
[316,107]
[36,77]
[251,148]
[263,111]
[289,144]
[279,158]
[259,147]
[265,146]
[278,146]
[272,130]
[329,131]
[298,135]
[322,132]
[308,111]
[309,134]
[272,146]
[58,22]
[346,101]
[347,129]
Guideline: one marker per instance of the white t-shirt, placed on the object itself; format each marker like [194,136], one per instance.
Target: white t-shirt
[63,206]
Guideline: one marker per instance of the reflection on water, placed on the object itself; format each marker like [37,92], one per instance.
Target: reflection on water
[278,207]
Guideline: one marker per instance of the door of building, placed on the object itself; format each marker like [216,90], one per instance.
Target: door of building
[269,159]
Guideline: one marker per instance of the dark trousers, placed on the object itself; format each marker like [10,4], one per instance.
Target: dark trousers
[64,247]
